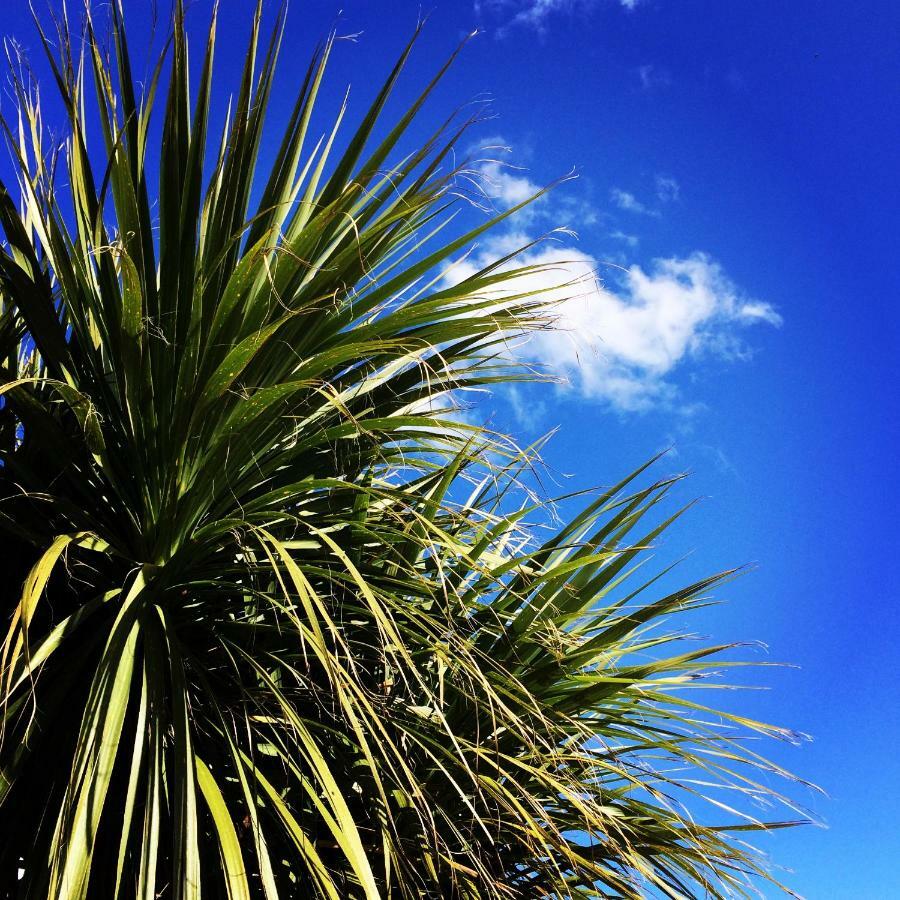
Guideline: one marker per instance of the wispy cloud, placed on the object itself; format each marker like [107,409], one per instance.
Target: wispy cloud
[499,186]
[631,240]
[755,311]
[668,190]
[625,200]
[537,13]
[529,412]
[652,77]
[622,343]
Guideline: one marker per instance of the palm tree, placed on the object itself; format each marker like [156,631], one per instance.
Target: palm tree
[280,623]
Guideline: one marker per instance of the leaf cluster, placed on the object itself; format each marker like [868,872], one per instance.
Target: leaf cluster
[289,625]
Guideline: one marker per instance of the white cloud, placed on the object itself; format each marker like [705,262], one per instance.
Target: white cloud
[529,413]
[627,201]
[754,311]
[621,344]
[667,188]
[652,77]
[502,186]
[535,13]
[631,240]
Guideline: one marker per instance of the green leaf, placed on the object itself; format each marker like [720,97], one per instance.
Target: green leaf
[229,846]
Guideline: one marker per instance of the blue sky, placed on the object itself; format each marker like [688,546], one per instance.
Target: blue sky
[737,199]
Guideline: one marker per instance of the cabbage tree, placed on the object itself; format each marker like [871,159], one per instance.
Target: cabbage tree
[279,622]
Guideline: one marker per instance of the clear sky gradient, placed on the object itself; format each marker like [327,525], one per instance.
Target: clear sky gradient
[739,199]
